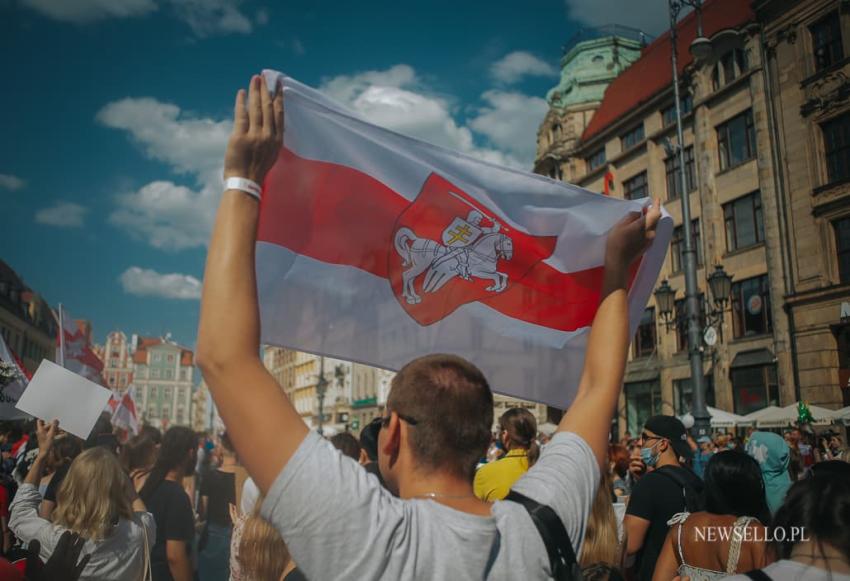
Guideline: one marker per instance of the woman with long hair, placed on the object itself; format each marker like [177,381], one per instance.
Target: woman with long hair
[602,543]
[138,455]
[518,430]
[258,552]
[96,501]
[735,503]
[171,506]
[814,542]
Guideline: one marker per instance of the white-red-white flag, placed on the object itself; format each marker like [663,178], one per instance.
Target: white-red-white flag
[124,416]
[379,248]
[75,353]
[14,378]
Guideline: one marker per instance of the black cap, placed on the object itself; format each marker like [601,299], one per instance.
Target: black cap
[673,429]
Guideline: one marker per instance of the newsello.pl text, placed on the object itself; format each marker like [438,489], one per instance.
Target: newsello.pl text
[715,534]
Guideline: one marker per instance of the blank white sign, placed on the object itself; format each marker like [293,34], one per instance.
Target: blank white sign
[54,393]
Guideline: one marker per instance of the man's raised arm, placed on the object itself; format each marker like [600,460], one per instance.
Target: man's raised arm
[590,414]
[262,423]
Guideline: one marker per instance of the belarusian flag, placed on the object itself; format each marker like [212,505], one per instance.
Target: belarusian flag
[379,248]
[74,352]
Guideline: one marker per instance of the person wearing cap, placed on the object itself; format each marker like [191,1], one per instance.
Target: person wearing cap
[702,455]
[665,490]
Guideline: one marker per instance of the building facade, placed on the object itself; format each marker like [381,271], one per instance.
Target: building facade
[807,62]
[162,382]
[370,387]
[624,150]
[117,356]
[202,419]
[26,323]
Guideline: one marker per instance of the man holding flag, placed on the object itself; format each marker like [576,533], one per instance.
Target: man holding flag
[439,409]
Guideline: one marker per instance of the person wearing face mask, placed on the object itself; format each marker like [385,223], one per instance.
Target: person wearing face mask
[668,488]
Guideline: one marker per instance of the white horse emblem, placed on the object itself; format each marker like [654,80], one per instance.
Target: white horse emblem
[468,250]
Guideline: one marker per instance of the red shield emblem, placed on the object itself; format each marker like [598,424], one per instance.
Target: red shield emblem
[448,250]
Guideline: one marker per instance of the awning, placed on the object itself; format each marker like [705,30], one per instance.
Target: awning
[641,375]
[756,357]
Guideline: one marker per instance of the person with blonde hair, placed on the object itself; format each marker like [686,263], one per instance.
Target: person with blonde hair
[257,551]
[602,544]
[96,501]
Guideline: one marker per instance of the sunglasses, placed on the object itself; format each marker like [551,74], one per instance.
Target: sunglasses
[384,421]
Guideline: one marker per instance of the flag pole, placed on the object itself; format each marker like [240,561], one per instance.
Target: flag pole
[61,337]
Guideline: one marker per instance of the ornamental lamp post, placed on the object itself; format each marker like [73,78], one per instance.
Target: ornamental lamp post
[321,390]
[702,47]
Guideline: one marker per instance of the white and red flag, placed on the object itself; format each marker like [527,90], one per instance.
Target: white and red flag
[14,378]
[73,350]
[124,415]
[379,248]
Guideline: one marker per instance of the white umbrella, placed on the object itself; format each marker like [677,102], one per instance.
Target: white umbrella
[757,415]
[774,417]
[843,416]
[547,428]
[719,419]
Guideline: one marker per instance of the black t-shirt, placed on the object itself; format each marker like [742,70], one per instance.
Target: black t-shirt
[295,575]
[56,481]
[172,511]
[656,498]
[220,488]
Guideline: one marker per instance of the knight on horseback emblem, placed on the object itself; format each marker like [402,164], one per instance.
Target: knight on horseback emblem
[468,250]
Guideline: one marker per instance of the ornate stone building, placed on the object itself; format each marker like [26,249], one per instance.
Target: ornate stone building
[807,50]
[162,382]
[117,358]
[624,150]
[26,323]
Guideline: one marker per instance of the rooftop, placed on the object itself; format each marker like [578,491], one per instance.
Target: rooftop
[652,74]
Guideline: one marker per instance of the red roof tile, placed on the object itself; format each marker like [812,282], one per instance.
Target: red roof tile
[651,73]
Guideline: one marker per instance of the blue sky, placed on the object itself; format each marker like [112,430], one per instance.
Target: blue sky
[115,114]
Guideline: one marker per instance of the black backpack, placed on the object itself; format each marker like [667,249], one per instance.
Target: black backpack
[691,494]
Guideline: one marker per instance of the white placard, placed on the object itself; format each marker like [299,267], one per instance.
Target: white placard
[54,393]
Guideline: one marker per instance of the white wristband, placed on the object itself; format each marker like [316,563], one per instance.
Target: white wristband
[243,185]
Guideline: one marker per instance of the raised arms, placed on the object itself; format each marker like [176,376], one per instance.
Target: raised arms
[264,427]
[604,364]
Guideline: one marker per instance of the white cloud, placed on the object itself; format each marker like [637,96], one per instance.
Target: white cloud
[510,121]
[650,17]
[167,215]
[10,182]
[188,144]
[514,66]
[63,215]
[82,11]
[209,17]
[149,283]
[397,100]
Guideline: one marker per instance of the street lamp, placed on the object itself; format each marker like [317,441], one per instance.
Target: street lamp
[720,285]
[321,390]
[702,418]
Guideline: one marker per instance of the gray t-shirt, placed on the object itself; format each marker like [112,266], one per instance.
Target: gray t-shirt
[340,523]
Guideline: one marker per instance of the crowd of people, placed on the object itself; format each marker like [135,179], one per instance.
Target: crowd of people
[427,490]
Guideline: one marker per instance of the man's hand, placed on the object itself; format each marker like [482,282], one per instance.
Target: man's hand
[45,433]
[257,137]
[631,237]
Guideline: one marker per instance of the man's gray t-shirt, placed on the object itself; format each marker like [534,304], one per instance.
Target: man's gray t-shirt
[340,523]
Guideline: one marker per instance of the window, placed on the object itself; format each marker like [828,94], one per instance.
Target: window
[732,64]
[156,358]
[751,307]
[754,388]
[154,391]
[668,114]
[171,358]
[677,246]
[826,41]
[152,412]
[596,159]
[682,329]
[842,247]
[744,222]
[683,394]
[736,140]
[632,137]
[836,145]
[167,392]
[674,180]
[643,399]
[169,374]
[644,344]
[182,375]
[636,187]
[155,373]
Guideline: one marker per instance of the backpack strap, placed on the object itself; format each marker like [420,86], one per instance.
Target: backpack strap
[682,483]
[562,558]
[758,575]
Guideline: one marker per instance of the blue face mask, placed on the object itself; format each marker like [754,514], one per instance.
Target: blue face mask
[648,457]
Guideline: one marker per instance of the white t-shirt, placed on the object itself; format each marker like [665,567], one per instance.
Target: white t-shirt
[340,523]
[785,570]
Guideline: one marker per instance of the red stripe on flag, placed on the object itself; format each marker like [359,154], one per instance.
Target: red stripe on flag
[340,215]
